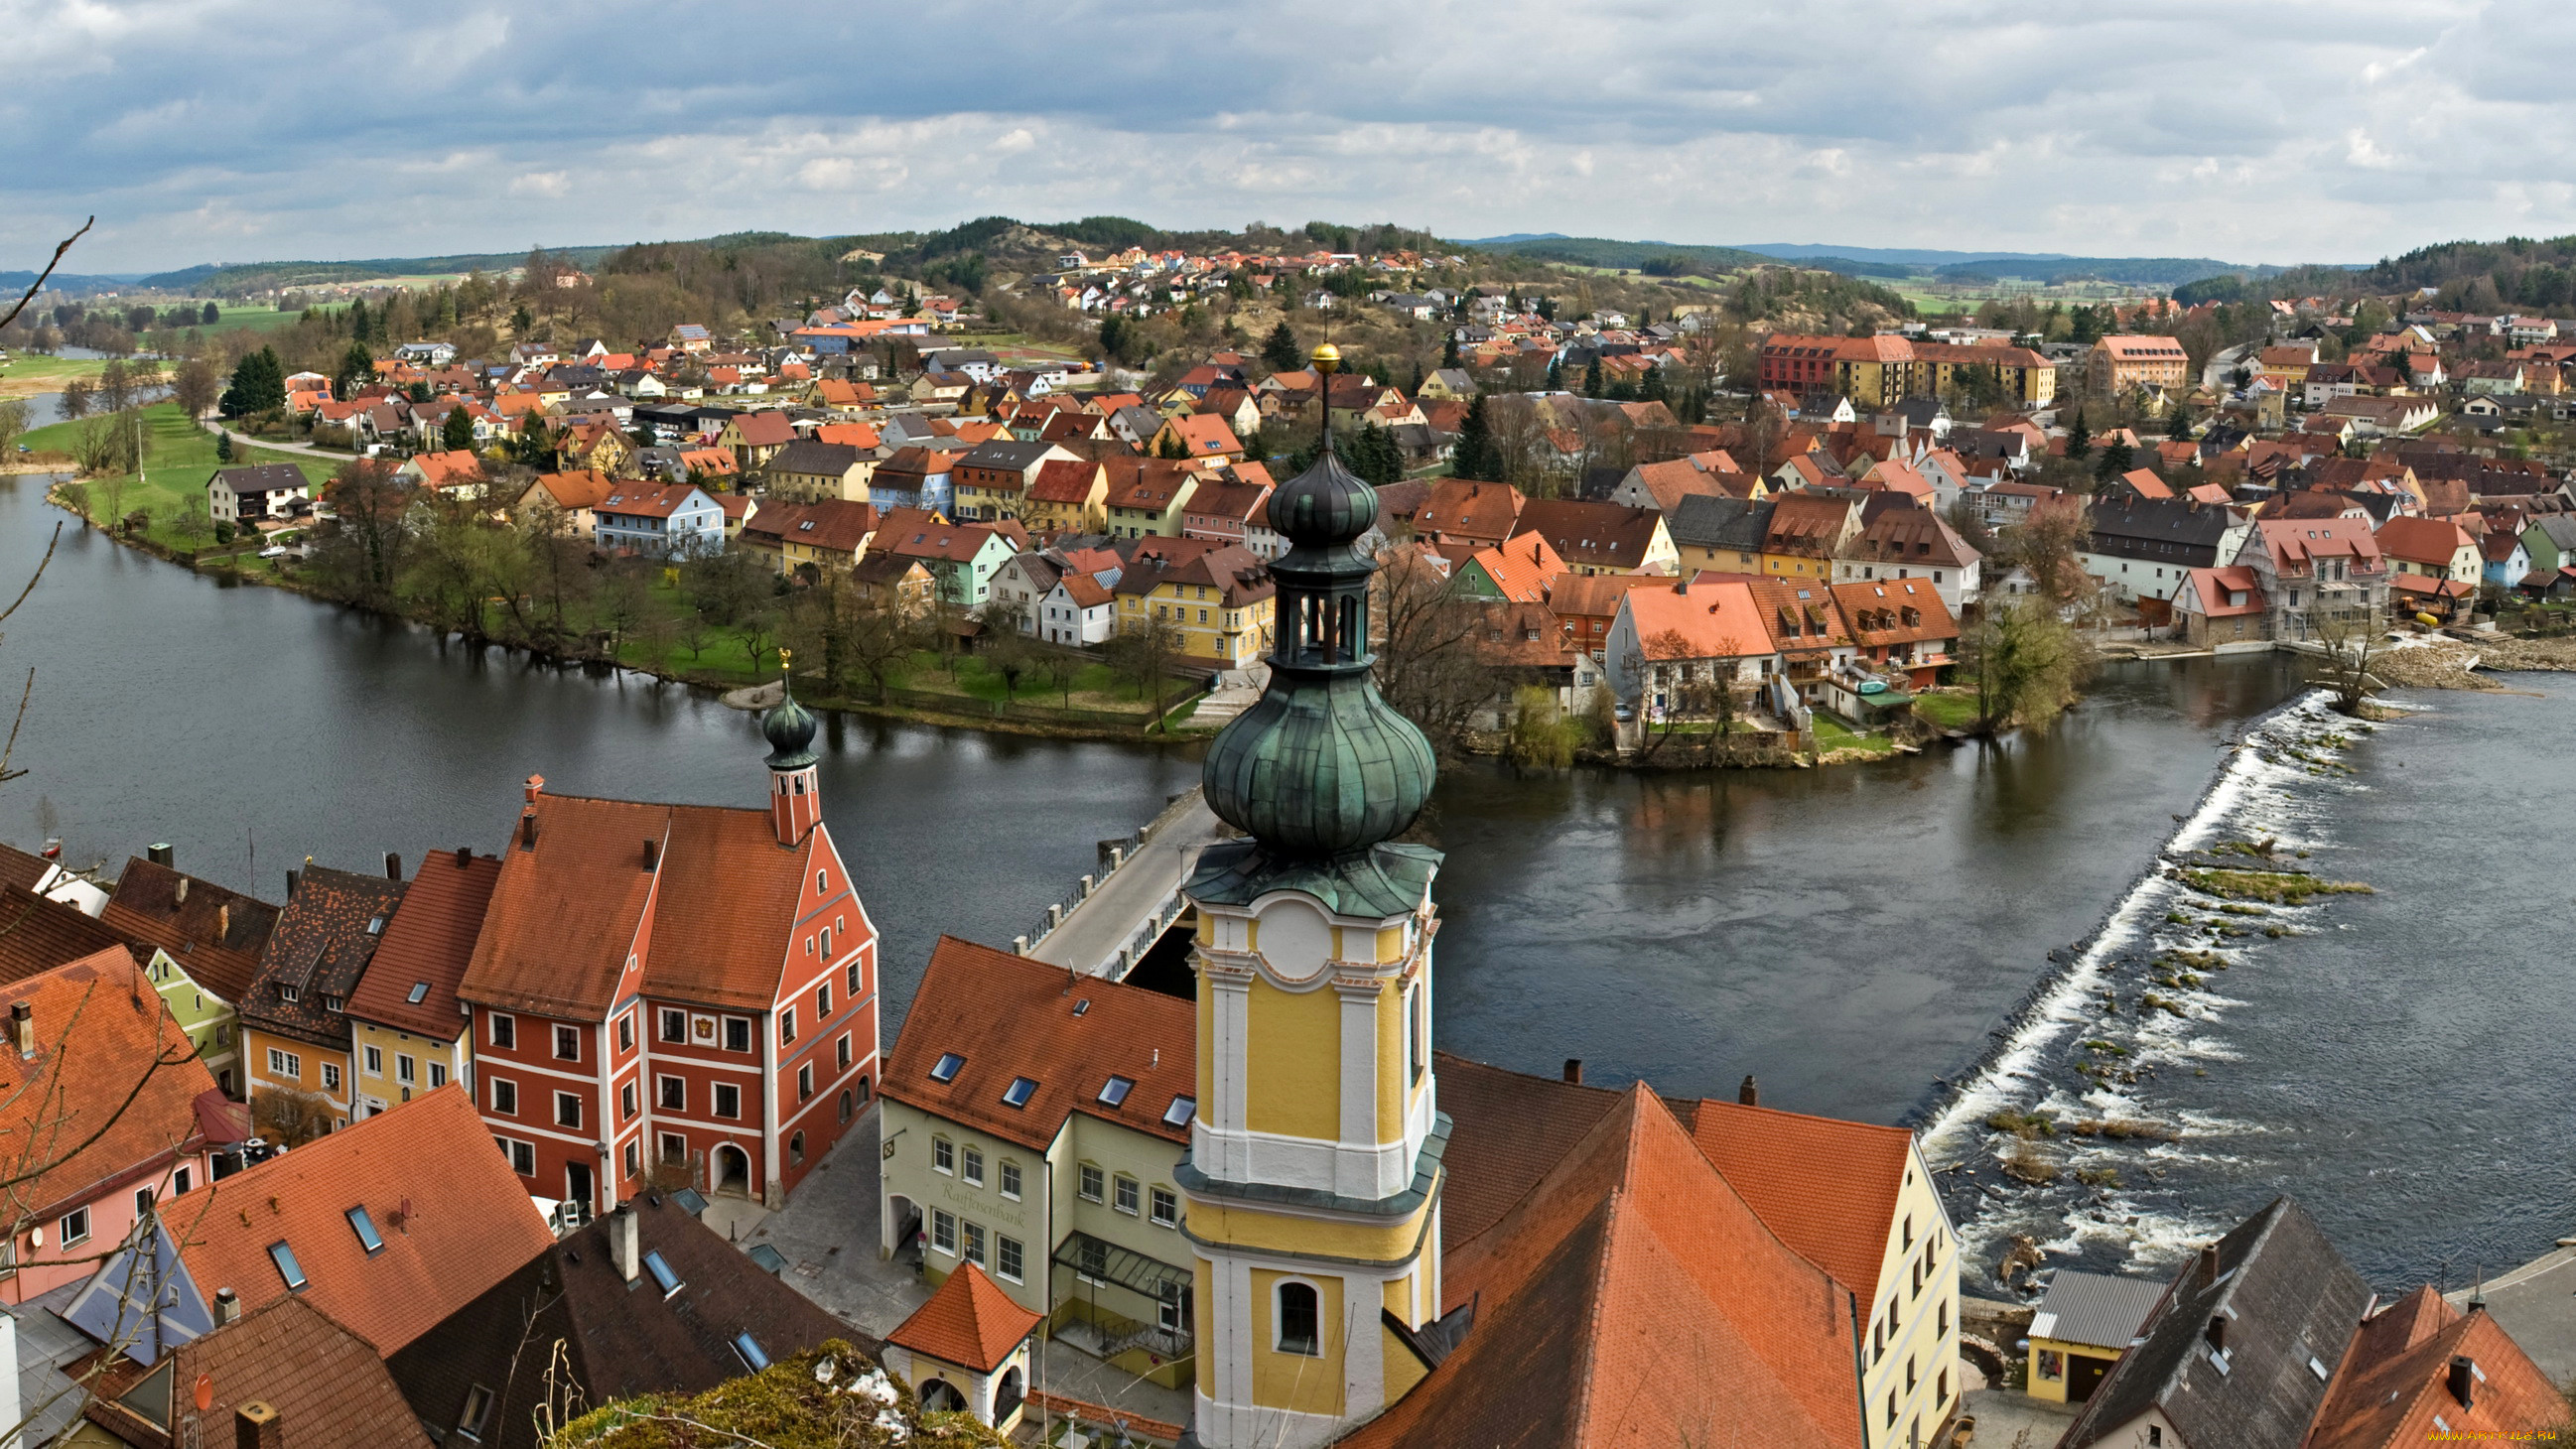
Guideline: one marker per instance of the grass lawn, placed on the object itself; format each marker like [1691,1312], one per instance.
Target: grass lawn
[176,463]
[1832,733]
[1949,711]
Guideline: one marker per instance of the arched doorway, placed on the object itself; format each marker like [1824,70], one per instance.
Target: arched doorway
[1006,1394]
[733,1171]
[906,1219]
[938,1396]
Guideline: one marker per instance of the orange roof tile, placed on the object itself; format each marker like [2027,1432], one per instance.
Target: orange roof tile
[2393,1381]
[1826,1186]
[969,1322]
[451,1216]
[100,1029]
[1629,1255]
[1010,1016]
[426,947]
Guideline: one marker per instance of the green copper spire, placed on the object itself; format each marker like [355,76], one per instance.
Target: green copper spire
[789,727]
[1320,767]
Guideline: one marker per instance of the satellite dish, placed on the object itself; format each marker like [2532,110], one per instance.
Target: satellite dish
[205,1392]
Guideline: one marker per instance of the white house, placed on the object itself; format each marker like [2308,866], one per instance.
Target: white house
[671,520]
[257,490]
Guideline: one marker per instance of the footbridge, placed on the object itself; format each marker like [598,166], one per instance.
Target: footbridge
[1115,915]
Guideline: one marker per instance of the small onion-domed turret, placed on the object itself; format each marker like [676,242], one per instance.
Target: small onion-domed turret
[790,729]
[1320,765]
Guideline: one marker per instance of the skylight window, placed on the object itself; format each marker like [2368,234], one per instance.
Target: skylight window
[365,1228]
[945,1069]
[287,1268]
[668,1281]
[749,1349]
[375,925]
[1115,1091]
[419,993]
[1017,1094]
[1181,1110]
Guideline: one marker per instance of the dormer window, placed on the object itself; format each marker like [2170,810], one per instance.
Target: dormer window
[289,992]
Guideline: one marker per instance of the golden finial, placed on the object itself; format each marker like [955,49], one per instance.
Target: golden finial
[786,658]
[1328,358]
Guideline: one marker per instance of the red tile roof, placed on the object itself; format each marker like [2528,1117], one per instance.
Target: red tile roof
[765,429]
[1827,1187]
[1462,509]
[569,910]
[1627,1257]
[217,934]
[451,1216]
[1010,1016]
[2393,1389]
[969,1322]
[101,1036]
[327,1384]
[1698,621]
[427,944]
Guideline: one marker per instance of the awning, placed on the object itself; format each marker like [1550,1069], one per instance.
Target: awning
[1099,1258]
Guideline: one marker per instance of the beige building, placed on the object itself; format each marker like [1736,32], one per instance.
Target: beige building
[407,1033]
[1032,1122]
[2118,364]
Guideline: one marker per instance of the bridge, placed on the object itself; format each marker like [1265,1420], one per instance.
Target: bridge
[1109,921]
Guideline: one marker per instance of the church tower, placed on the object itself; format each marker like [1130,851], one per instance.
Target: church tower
[795,799]
[1314,1170]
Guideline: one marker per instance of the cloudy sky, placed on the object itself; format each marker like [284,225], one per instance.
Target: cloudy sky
[225,130]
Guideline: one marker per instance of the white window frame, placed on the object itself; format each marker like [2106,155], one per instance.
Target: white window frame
[1010,1179]
[943,1225]
[1162,1217]
[568,1101]
[375,1061]
[504,1084]
[500,1023]
[1279,1317]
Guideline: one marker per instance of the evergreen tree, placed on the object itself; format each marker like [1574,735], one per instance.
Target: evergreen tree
[1651,387]
[1375,456]
[1281,353]
[1171,446]
[458,431]
[213,314]
[2079,439]
[357,369]
[358,320]
[1474,456]
[1556,374]
[223,447]
[1113,337]
[1449,352]
[2116,460]
[258,385]
[1592,379]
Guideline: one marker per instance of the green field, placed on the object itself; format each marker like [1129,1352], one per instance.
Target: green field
[1948,711]
[176,463]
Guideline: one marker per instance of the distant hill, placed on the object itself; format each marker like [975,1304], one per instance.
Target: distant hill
[239,277]
[76,283]
[1593,251]
[1901,256]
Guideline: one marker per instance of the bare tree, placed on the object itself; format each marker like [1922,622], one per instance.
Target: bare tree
[1143,653]
[1429,665]
[2352,640]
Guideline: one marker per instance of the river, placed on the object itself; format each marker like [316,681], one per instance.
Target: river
[1846,935]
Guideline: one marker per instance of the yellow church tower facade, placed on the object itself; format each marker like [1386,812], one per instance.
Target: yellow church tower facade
[1314,1171]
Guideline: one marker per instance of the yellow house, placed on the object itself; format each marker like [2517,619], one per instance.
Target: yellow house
[1805,532]
[406,1033]
[2081,1328]
[1145,496]
[1069,495]
[1219,604]
[295,1026]
[810,540]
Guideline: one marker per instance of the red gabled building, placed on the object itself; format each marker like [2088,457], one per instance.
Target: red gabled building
[663,993]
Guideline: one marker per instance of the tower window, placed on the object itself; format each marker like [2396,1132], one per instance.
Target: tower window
[1298,1316]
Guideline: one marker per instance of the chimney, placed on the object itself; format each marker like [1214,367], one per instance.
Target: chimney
[652,853]
[1750,1094]
[625,1243]
[464,856]
[2217,1334]
[179,892]
[393,866]
[1574,1070]
[223,921]
[22,1028]
[157,854]
[227,1306]
[256,1426]
[536,787]
[2464,1380]
[2209,1264]
[294,878]
[528,829]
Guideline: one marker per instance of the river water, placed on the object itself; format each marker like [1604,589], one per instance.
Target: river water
[1852,937]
